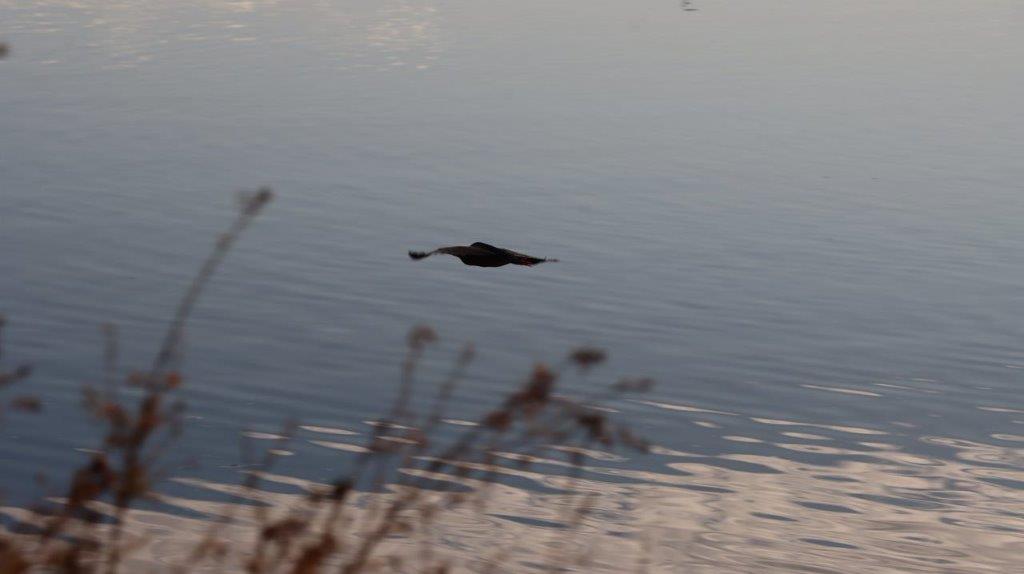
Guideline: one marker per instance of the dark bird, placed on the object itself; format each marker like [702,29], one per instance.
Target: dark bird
[482,255]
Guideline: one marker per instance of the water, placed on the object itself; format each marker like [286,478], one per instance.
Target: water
[803,215]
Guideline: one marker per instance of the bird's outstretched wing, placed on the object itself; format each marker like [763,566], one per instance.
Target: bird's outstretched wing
[515,257]
[455,250]
[491,248]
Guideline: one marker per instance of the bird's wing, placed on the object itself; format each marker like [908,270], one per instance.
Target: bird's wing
[515,257]
[422,254]
[512,255]
[493,249]
[455,250]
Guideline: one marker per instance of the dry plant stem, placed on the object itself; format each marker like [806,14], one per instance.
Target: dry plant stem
[548,418]
[249,484]
[422,436]
[535,395]
[399,412]
[168,352]
[335,514]
[386,522]
[448,387]
[529,423]
[132,478]
[378,533]
[110,354]
[253,480]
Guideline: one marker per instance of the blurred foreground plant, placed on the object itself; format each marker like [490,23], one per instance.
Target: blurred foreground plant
[404,454]
[27,403]
[137,433]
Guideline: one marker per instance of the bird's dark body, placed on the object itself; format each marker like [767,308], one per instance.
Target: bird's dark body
[481,254]
[475,257]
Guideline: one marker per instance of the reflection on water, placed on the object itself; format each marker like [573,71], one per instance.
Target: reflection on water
[838,506]
[127,34]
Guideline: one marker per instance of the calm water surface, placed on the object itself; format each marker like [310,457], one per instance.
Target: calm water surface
[802,217]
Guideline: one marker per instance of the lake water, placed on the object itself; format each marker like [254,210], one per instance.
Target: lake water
[803,218]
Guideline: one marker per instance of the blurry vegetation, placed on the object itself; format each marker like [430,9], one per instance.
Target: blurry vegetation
[83,532]
[9,378]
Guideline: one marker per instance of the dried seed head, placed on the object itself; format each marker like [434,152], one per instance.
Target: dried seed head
[420,336]
[27,404]
[19,373]
[587,357]
[498,420]
[172,380]
[595,425]
[251,202]
[538,389]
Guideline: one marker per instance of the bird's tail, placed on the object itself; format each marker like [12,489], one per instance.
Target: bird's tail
[417,255]
[531,261]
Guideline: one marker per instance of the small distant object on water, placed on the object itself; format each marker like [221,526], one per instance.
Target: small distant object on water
[4,50]
[483,255]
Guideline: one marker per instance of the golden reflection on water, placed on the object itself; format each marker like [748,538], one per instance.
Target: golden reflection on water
[871,508]
[126,34]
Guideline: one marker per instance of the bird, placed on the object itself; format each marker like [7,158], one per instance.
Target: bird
[481,254]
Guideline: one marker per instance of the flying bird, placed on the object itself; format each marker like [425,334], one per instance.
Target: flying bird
[482,255]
